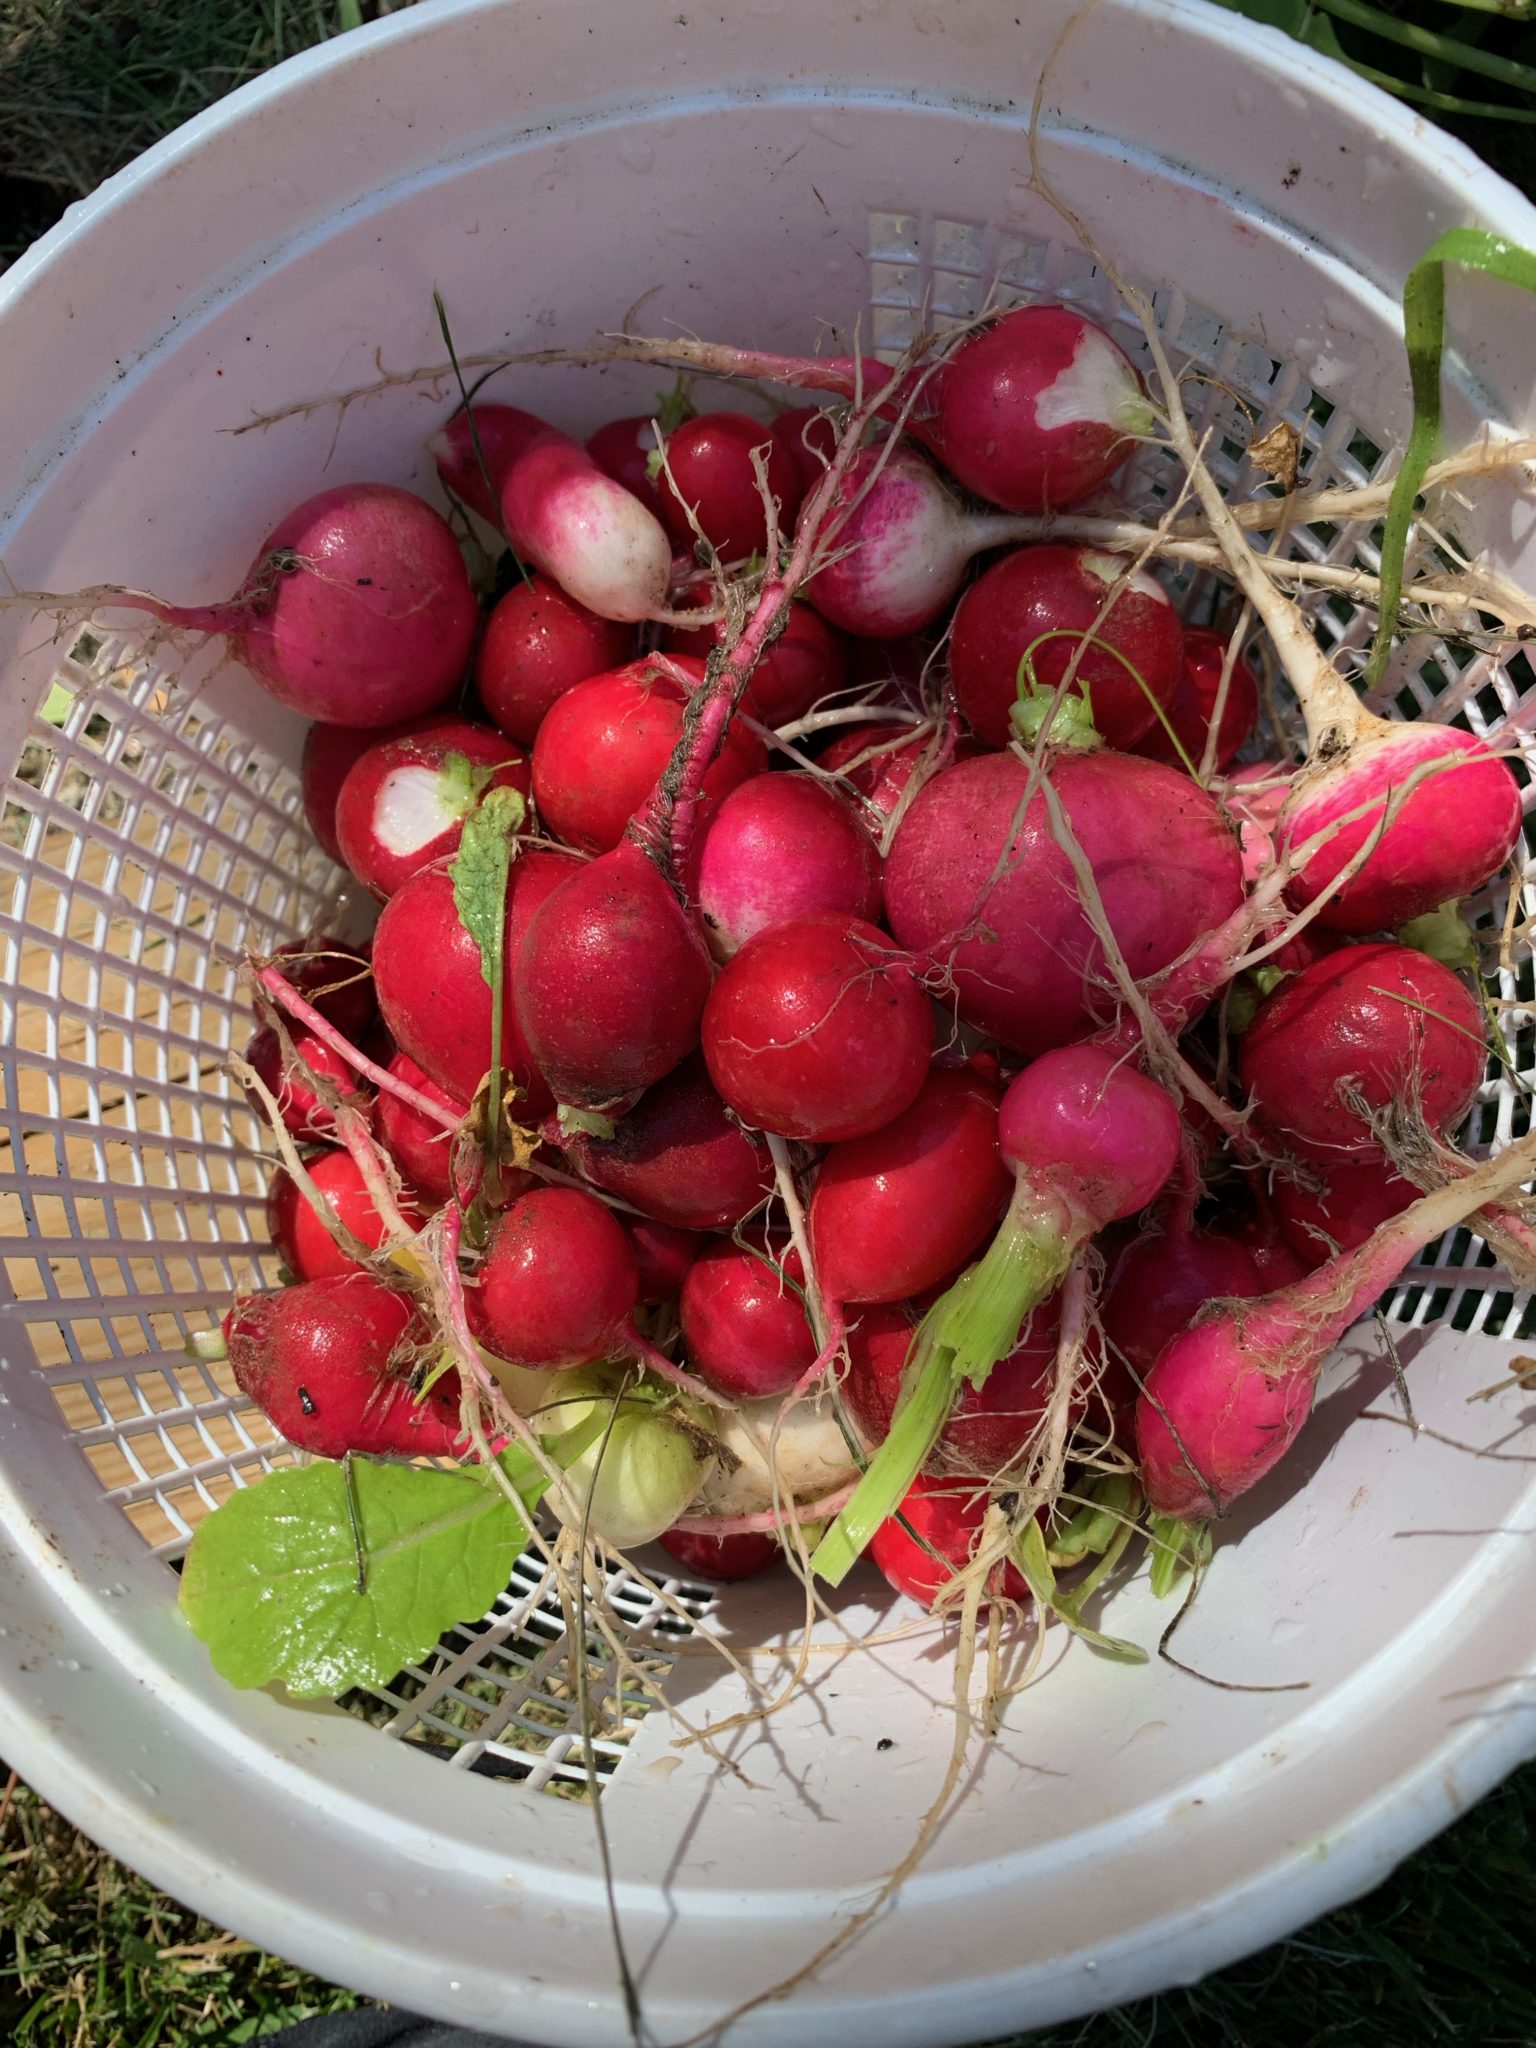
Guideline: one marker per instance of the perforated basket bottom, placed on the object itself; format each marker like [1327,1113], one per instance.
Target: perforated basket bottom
[146,844]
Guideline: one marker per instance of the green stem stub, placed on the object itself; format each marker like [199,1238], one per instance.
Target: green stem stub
[965,1333]
[1177,1547]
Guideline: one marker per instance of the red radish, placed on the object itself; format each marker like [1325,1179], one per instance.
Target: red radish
[1360,1192]
[405,800]
[327,1363]
[722,1557]
[559,511]
[1258,789]
[810,437]
[997,917]
[663,1255]
[1062,591]
[710,458]
[299,1237]
[1258,1231]
[679,1155]
[357,610]
[895,1213]
[421,1149]
[807,662]
[334,978]
[611,980]
[538,643]
[881,760]
[1228,1397]
[744,1323]
[330,752]
[1192,704]
[945,1517]
[989,1427]
[558,1284]
[1456,829]
[1157,1286]
[779,847]
[895,668]
[304,1112]
[818,1029]
[431,987]
[1384,1021]
[623,450]
[604,744]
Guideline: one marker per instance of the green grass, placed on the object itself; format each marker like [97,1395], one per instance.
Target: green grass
[93,1957]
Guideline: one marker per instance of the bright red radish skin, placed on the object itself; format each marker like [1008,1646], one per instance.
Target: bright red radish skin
[431,988]
[1192,704]
[818,1030]
[299,1237]
[725,1558]
[1358,1194]
[899,1211]
[537,644]
[304,1112]
[744,1324]
[807,662]
[679,1155]
[611,981]
[946,1516]
[320,1362]
[663,1255]
[779,847]
[559,511]
[1456,829]
[1062,589]
[604,743]
[334,978]
[998,922]
[710,460]
[623,449]
[420,1148]
[558,1283]
[1385,1020]
[1158,1285]
[404,801]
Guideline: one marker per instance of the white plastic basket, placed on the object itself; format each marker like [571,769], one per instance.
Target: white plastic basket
[768,167]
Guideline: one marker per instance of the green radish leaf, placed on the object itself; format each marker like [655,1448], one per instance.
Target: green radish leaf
[463,782]
[1177,1547]
[480,869]
[1444,935]
[590,1123]
[1424,336]
[271,1582]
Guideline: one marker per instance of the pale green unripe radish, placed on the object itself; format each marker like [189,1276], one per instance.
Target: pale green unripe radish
[642,1472]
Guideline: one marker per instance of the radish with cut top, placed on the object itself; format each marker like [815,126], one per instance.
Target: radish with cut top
[779,847]
[710,472]
[808,661]
[1062,591]
[744,1322]
[1191,705]
[537,644]
[404,801]
[818,1029]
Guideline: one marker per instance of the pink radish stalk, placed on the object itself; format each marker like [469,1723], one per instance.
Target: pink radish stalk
[1089,1140]
[1228,1397]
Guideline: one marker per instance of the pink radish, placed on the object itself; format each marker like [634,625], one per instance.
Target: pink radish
[679,1156]
[304,1111]
[1384,1021]
[895,1213]
[431,987]
[404,801]
[559,511]
[1090,1140]
[744,1321]
[1258,790]
[1155,1289]
[299,1237]
[779,847]
[944,1517]
[603,745]
[420,1148]
[357,610]
[537,643]
[881,760]
[1228,1397]
[710,459]
[1192,704]
[818,1029]
[991,904]
[722,1557]
[1062,591]
[1360,1191]
[611,980]
[623,450]
[327,1363]
[807,662]
[663,1255]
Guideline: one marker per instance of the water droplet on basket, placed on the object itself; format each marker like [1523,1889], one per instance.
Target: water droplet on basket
[144,1784]
[637,155]
[69,1663]
[453,1984]
[380,1902]
[1286,1629]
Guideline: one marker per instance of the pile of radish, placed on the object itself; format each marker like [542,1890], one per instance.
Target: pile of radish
[860,1003]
